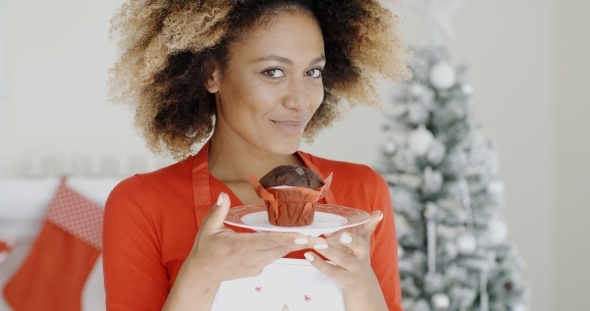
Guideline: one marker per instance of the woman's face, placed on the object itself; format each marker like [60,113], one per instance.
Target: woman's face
[272,85]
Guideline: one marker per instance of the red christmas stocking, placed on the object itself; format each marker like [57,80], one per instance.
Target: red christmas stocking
[53,275]
[6,246]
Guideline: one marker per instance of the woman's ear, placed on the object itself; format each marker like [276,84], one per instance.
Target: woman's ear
[213,78]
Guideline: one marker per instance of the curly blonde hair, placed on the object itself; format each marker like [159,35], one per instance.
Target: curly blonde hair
[168,48]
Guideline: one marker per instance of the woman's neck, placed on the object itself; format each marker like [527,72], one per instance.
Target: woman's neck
[231,159]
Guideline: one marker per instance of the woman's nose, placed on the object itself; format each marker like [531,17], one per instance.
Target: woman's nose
[297,97]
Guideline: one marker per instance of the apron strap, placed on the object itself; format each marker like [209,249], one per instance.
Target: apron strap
[330,199]
[201,188]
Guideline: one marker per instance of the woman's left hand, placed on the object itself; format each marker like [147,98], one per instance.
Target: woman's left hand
[349,249]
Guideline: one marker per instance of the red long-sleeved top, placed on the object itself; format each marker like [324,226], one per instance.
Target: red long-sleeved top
[150,227]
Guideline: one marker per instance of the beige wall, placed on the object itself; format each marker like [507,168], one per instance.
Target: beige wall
[56,54]
[572,155]
[509,46]
[56,58]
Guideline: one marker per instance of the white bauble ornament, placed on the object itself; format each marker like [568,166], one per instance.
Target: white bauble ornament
[417,89]
[467,89]
[518,307]
[496,232]
[389,147]
[443,76]
[466,243]
[440,301]
[496,187]
[420,141]
[451,250]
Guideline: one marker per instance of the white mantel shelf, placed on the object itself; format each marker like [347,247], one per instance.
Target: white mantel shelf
[23,202]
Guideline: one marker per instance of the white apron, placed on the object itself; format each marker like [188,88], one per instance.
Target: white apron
[284,285]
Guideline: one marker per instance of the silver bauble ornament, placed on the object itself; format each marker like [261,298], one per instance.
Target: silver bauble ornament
[496,232]
[440,301]
[466,243]
[420,141]
[443,76]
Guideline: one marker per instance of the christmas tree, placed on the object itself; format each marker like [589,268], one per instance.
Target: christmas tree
[446,194]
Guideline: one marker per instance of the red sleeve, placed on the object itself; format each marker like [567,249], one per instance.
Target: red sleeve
[384,246]
[134,276]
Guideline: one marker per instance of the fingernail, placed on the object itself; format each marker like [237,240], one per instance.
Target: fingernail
[220,199]
[320,246]
[309,257]
[345,238]
[301,241]
[381,217]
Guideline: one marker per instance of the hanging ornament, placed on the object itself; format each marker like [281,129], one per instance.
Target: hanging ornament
[496,232]
[434,283]
[417,89]
[389,147]
[451,250]
[518,307]
[508,286]
[440,301]
[437,152]
[443,76]
[496,188]
[467,89]
[466,243]
[420,141]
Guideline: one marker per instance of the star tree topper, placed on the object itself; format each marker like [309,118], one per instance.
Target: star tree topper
[436,17]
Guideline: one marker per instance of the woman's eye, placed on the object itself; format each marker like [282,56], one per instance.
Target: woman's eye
[274,73]
[315,73]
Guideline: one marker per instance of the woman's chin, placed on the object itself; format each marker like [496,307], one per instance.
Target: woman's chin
[286,146]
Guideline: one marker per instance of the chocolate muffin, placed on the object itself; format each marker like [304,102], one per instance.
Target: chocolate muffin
[291,175]
[293,205]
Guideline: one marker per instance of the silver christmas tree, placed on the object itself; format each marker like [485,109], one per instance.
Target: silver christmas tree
[443,179]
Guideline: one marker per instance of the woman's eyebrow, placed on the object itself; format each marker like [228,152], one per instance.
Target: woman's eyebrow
[318,59]
[288,61]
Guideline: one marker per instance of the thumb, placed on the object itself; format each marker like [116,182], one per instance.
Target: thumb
[370,226]
[216,216]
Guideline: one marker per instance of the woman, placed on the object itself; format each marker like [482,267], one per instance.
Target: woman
[249,79]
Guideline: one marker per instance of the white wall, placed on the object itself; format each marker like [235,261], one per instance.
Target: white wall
[56,55]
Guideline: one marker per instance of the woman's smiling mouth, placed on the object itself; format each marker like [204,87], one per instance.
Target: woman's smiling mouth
[291,127]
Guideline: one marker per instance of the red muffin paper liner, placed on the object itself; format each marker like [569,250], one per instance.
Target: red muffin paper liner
[290,207]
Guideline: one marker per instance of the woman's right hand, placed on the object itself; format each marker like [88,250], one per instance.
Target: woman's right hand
[220,254]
